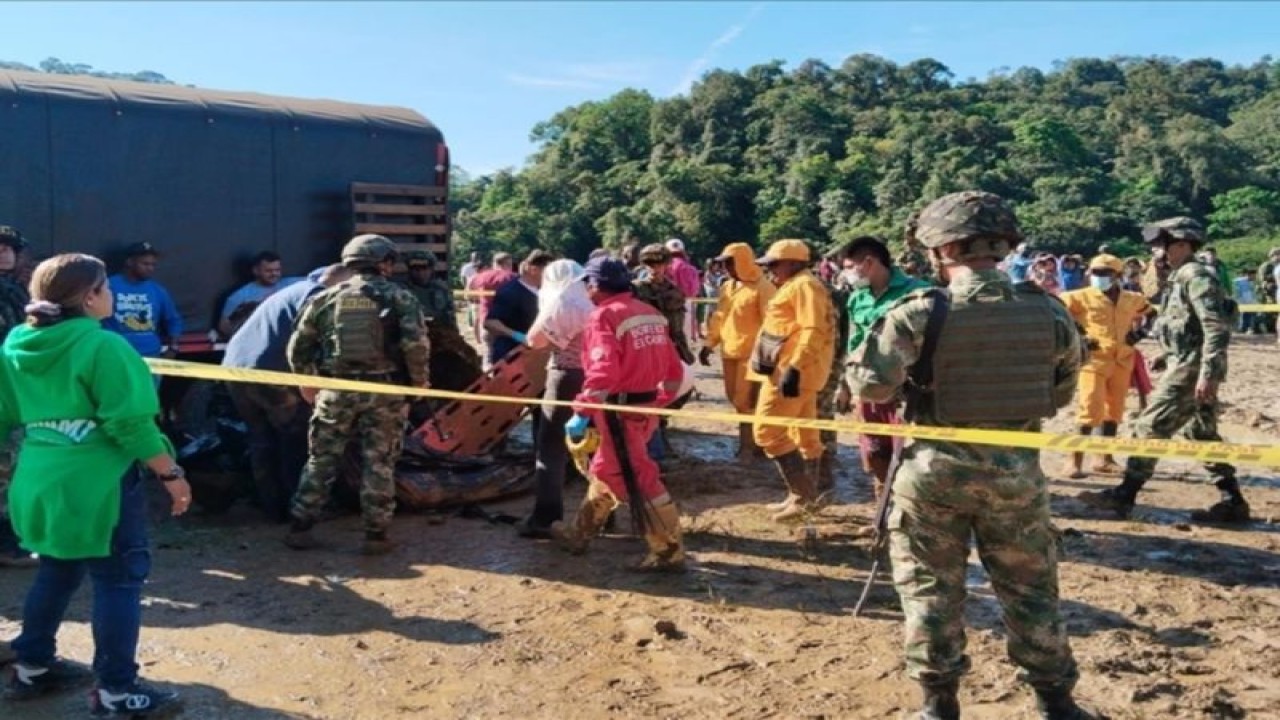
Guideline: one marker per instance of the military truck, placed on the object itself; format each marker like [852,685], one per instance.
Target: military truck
[211,178]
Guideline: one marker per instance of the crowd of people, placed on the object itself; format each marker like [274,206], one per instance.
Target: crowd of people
[915,339]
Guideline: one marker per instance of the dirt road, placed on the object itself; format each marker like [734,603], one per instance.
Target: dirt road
[465,620]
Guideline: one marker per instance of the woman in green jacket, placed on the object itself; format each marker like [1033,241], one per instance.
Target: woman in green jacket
[87,405]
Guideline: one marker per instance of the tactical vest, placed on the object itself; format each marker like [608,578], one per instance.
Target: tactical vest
[995,360]
[362,331]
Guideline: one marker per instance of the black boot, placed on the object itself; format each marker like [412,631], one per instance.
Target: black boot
[300,537]
[940,701]
[1230,510]
[1056,704]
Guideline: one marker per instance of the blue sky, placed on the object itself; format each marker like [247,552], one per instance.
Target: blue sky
[487,72]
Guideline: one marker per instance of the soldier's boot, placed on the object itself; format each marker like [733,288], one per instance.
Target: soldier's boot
[940,701]
[591,518]
[1057,704]
[1108,463]
[1077,458]
[376,543]
[1231,509]
[800,481]
[1119,499]
[747,449]
[665,541]
[299,536]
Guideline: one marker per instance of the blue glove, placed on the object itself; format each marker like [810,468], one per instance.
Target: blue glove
[576,428]
[520,337]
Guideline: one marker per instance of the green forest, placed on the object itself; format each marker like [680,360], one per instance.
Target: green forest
[1087,152]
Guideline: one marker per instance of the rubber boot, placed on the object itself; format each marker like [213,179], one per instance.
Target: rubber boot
[795,472]
[666,546]
[1057,704]
[878,469]
[747,450]
[1108,464]
[1230,510]
[940,701]
[592,515]
[299,536]
[1077,458]
[376,543]
[826,470]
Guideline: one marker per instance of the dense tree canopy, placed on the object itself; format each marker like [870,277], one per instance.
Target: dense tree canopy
[1087,152]
[54,66]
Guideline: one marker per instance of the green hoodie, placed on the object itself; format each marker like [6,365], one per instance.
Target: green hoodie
[87,403]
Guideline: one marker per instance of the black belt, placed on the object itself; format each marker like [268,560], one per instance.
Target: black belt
[635,398]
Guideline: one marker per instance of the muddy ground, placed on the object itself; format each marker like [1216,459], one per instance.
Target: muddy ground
[466,620]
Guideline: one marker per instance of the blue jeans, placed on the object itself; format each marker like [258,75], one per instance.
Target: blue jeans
[117,596]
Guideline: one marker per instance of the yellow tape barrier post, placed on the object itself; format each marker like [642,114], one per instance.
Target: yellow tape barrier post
[1261,455]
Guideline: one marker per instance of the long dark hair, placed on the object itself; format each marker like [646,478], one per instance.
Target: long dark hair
[60,286]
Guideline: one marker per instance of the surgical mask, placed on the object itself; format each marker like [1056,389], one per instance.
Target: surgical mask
[1101,282]
[854,279]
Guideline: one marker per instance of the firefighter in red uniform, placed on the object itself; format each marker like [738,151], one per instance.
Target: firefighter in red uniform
[627,359]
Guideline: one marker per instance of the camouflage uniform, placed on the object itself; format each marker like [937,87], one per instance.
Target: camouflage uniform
[827,395]
[1193,331]
[435,297]
[668,300]
[946,492]
[377,421]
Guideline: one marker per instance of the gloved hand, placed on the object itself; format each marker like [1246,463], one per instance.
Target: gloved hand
[790,385]
[576,428]
[519,337]
[1133,336]
[704,355]
[1092,343]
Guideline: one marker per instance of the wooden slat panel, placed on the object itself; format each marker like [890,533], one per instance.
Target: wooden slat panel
[403,190]
[394,209]
[401,229]
[437,248]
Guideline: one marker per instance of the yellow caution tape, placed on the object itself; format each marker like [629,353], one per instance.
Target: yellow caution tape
[1262,455]
[1260,308]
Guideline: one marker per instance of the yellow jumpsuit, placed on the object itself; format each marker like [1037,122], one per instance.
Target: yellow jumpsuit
[801,312]
[736,322]
[1104,380]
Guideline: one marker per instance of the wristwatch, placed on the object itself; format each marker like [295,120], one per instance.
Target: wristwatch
[175,473]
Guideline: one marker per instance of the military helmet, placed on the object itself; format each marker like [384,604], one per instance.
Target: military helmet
[420,257]
[369,249]
[968,215]
[655,253]
[10,236]
[1174,228]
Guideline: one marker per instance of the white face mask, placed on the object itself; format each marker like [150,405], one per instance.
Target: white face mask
[854,279]
[1101,282]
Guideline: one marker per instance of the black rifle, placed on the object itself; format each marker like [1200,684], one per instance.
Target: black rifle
[919,383]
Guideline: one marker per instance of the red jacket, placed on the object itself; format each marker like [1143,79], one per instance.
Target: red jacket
[626,349]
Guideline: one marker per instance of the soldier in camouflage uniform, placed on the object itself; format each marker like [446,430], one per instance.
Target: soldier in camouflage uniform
[367,328]
[658,290]
[13,303]
[433,295]
[947,492]
[1193,330]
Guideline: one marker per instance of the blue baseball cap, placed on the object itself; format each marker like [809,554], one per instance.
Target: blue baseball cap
[609,274]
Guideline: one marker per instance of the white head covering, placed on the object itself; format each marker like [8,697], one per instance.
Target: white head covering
[563,305]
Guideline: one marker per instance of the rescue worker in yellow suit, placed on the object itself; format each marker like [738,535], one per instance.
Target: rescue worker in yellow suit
[792,359]
[733,328]
[1111,319]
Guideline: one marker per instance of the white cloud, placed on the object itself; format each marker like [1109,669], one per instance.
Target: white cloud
[559,83]
[585,76]
[701,63]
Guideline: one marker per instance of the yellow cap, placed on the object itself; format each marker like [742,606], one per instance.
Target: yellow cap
[796,250]
[1107,262]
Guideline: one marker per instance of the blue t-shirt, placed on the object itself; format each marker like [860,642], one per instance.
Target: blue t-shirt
[252,293]
[1018,266]
[262,341]
[144,313]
